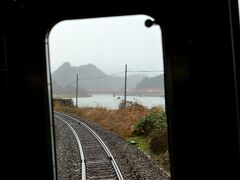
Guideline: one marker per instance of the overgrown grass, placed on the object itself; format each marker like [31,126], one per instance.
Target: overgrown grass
[143,143]
[147,127]
[153,128]
[120,121]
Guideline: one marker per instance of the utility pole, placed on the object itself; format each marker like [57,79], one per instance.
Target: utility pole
[77,92]
[125,88]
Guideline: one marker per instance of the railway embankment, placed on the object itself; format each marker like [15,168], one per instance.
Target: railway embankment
[133,163]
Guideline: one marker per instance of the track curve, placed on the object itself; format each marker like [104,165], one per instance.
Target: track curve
[97,161]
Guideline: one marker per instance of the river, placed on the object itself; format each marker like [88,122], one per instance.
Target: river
[111,102]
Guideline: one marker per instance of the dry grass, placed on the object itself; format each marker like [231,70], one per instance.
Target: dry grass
[120,121]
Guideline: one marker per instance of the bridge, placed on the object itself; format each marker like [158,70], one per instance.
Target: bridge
[129,92]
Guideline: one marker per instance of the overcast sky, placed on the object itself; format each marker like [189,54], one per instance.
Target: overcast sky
[109,43]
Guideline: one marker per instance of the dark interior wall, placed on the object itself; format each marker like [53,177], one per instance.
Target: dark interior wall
[203,97]
[200,84]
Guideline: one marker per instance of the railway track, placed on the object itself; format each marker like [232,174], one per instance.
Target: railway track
[96,161]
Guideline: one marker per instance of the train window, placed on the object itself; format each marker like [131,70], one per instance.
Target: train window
[239,8]
[107,86]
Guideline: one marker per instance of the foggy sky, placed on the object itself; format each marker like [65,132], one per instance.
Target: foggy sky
[109,43]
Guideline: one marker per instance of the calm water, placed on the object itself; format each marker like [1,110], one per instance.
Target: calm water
[111,102]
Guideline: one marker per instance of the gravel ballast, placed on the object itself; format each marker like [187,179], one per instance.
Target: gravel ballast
[133,163]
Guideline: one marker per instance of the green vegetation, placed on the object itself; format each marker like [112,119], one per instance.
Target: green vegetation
[144,144]
[154,120]
[141,142]
[150,134]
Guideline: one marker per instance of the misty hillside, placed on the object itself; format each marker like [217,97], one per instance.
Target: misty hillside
[151,83]
[66,74]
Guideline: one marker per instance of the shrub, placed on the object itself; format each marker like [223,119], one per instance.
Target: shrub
[151,121]
[159,141]
[131,104]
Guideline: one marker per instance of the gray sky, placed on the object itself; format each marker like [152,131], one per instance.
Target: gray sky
[109,43]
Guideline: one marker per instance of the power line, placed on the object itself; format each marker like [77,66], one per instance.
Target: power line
[98,77]
[70,83]
[77,91]
[145,71]
[107,76]
[125,87]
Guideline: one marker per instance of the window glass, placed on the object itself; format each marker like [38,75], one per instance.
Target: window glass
[108,73]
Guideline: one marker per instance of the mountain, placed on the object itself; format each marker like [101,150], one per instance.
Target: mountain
[91,78]
[66,73]
[156,82]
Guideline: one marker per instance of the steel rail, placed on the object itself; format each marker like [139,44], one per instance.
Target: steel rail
[115,166]
[83,165]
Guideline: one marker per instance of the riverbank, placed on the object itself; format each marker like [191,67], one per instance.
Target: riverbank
[110,94]
[64,96]
[111,102]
